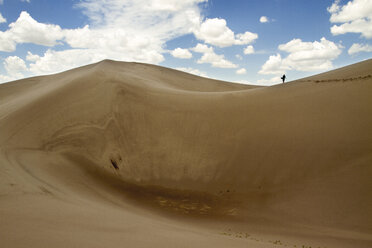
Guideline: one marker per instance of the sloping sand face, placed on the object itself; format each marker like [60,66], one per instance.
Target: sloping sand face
[126,154]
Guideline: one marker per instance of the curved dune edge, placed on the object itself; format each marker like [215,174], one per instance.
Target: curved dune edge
[125,153]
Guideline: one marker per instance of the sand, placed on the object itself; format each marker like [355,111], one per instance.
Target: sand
[118,154]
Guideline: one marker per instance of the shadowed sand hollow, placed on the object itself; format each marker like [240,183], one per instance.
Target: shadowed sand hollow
[120,154]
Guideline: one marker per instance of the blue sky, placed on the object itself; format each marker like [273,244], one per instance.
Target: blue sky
[247,41]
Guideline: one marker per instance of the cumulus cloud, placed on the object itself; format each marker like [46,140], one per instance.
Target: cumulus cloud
[137,29]
[210,57]
[303,56]
[264,19]
[32,57]
[131,30]
[300,51]
[270,81]
[157,15]
[7,44]
[249,50]
[6,78]
[245,38]
[27,30]
[192,71]
[355,17]
[2,19]
[246,82]
[357,48]
[274,65]
[57,61]
[181,53]
[241,71]
[215,32]
[14,66]
[202,48]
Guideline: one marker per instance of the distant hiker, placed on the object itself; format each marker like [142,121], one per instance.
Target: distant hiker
[283,78]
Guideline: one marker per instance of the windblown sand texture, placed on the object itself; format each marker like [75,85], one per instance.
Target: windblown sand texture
[120,154]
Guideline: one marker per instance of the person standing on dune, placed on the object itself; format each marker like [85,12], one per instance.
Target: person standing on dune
[283,78]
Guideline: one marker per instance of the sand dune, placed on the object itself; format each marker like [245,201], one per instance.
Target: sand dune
[120,154]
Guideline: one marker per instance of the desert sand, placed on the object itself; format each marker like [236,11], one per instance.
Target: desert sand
[118,154]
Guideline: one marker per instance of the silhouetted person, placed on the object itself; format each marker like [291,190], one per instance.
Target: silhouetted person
[283,78]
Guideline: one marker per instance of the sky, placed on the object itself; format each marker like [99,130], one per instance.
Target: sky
[244,41]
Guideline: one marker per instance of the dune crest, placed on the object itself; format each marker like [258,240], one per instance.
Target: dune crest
[122,150]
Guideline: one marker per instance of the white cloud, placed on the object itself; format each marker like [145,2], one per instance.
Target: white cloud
[181,53]
[2,19]
[27,30]
[245,38]
[6,78]
[210,57]
[353,10]
[303,56]
[202,48]
[170,5]
[15,66]
[118,42]
[32,57]
[274,65]
[249,50]
[216,60]
[246,82]
[215,32]
[241,71]
[300,51]
[161,19]
[355,17]
[192,71]
[264,19]
[357,48]
[57,61]
[132,30]
[7,43]
[334,7]
[238,56]
[270,81]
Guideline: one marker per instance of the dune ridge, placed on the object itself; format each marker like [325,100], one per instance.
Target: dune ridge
[119,152]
